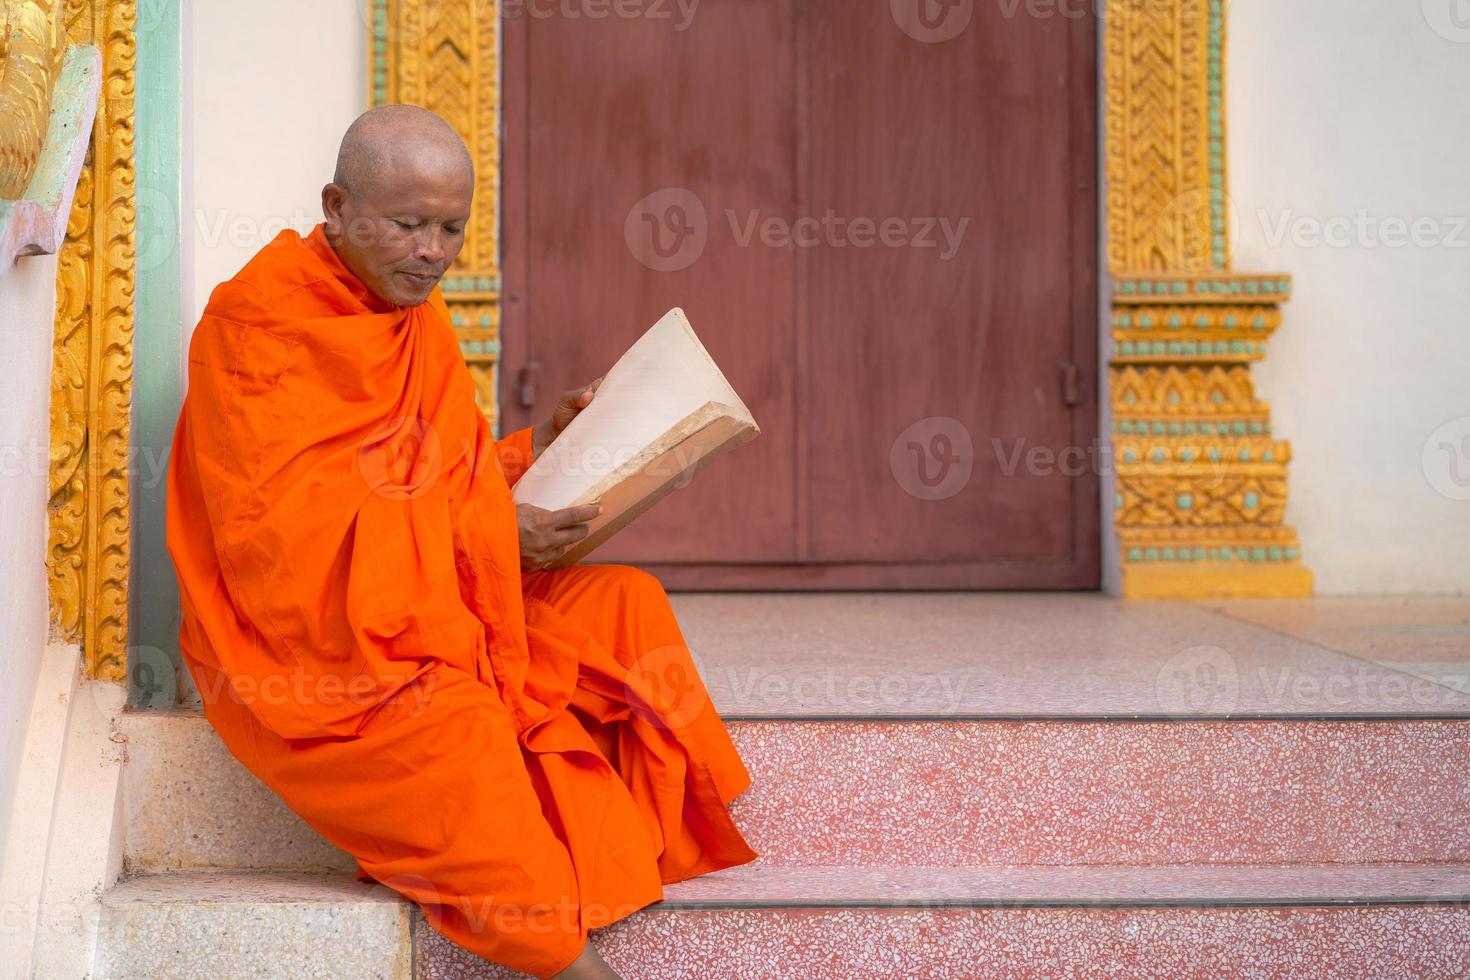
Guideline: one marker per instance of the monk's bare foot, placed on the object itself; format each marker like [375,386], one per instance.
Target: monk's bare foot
[588,966]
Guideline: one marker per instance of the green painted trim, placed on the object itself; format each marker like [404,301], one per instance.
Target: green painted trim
[153,592]
[1215,82]
[379,93]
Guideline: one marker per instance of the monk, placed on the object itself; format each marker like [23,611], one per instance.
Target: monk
[526,753]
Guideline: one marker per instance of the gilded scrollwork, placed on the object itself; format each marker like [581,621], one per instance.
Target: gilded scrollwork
[88,550]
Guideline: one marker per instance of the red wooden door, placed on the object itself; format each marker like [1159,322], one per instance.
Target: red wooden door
[886,237]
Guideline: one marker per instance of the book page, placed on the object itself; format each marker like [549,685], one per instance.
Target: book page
[663,379]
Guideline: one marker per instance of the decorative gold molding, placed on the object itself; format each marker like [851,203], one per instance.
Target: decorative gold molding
[88,552]
[31,47]
[1201,487]
[443,55]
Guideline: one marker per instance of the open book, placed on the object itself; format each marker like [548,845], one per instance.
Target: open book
[661,414]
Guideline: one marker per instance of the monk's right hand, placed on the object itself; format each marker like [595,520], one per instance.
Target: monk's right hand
[547,534]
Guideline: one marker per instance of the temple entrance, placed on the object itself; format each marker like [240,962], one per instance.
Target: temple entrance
[883,227]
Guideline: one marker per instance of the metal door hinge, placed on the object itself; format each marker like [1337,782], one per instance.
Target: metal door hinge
[528,382]
[1071,384]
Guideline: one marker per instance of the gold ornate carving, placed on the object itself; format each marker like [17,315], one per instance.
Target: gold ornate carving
[30,59]
[1201,481]
[92,361]
[442,54]
[1158,72]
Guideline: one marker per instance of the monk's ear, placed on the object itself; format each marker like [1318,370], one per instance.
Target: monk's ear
[334,198]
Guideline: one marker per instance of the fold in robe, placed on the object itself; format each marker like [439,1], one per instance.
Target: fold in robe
[527,757]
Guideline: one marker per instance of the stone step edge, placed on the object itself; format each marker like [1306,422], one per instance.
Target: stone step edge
[755,886]
[189,712]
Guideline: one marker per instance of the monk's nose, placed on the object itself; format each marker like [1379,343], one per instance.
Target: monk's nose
[431,248]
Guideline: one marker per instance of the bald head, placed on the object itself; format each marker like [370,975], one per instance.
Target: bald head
[398,204]
[385,145]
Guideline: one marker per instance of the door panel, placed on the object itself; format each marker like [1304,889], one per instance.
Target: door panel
[888,245]
[964,148]
[622,109]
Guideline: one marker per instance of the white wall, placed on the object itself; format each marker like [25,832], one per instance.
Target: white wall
[1357,110]
[275,83]
[27,313]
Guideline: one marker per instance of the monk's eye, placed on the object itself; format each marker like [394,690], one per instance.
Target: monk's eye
[406,225]
[453,229]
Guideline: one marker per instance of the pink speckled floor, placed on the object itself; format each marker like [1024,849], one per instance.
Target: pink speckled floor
[998,655]
[1069,792]
[1424,942]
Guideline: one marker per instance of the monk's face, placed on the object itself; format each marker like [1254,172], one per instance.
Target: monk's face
[401,231]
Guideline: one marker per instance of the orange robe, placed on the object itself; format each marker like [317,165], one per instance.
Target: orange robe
[527,757]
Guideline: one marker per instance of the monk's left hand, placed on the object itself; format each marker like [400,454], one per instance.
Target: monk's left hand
[547,534]
[567,407]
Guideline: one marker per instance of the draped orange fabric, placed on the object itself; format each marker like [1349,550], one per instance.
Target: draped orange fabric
[527,757]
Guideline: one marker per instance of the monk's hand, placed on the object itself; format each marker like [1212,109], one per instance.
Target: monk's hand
[547,534]
[567,407]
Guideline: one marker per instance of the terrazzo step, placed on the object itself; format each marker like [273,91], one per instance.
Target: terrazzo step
[270,925]
[943,793]
[759,921]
